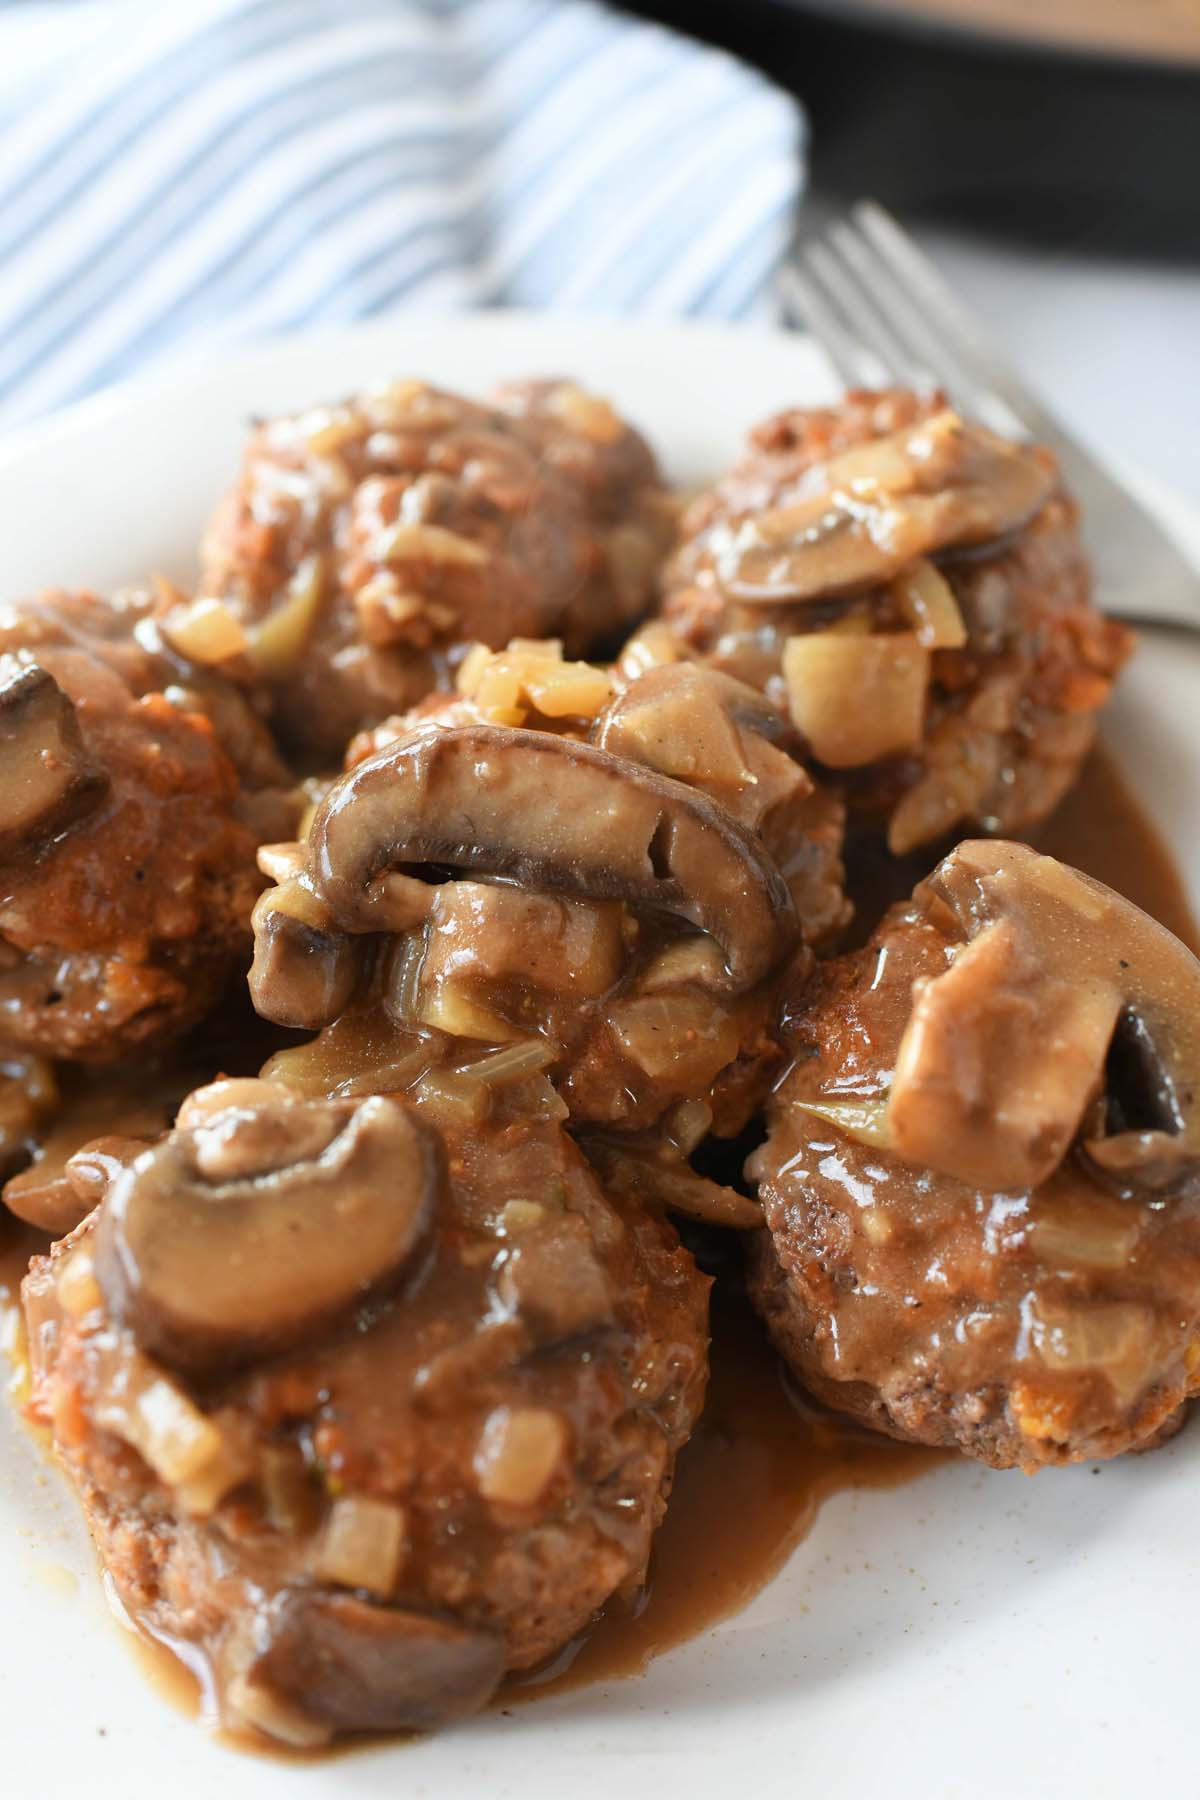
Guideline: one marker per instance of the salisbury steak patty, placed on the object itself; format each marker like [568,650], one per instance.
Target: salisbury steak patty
[982,1177]
[472,884]
[133,789]
[914,589]
[367,545]
[367,1403]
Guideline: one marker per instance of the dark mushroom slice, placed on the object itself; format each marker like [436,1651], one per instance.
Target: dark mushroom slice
[304,971]
[940,484]
[1004,1052]
[243,1232]
[56,1200]
[345,1664]
[981,1181]
[552,814]
[47,777]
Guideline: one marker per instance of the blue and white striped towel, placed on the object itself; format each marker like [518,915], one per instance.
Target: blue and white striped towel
[191,172]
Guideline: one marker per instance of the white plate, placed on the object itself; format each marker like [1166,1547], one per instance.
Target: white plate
[972,1634]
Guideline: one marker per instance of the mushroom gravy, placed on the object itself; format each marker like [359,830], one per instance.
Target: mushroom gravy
[781,1457]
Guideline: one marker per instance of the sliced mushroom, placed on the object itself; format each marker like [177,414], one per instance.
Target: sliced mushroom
[47,777]
[56,1201]
[1003,1053]
[868,513]
[303,973]
[262,1222]
[553,814]
[348,1665]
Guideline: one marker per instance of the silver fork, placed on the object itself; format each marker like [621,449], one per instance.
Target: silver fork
[878,307]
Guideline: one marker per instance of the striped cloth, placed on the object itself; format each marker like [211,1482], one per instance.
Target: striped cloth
[192,172]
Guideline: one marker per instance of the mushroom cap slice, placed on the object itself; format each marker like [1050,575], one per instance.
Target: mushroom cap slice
[303,975]
[861,517]
[1062,990]
[262,1223]
[47,777]
[552,814]
[350,1665]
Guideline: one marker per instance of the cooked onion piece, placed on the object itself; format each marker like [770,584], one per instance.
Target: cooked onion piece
[857,699]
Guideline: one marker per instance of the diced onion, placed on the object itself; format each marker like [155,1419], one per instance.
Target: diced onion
[402,983]
[1093,1243]
[568,690]
[519,1451]
[689,959]
[664,1182]
[276,645]
[927,601]
[864,1120]
[520,1216]
[408,403]
[263,1710]
[203,1492]
[506,685]
[363,1544]
[519,1060]
[140,1405]
[295,898]
[404,542]
[678,1035]
[328,428]
[289,1491]
[450,1100]
[77,1288]
[205,630]
[279,862]
[653,647]
[1113,1337]
[588,414]
[445,1007]
[688,1124]
[857,699]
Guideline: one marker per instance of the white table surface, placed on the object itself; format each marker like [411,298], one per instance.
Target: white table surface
[1113,346]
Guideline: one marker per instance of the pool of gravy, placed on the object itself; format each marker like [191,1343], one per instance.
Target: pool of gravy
[758,1438]
[783,1457]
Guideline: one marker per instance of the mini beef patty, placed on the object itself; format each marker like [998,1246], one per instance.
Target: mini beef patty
[367,545]
[134,791]
[367,1405]
[914,589]
[981,1181]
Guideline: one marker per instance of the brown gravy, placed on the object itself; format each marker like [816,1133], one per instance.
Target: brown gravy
[781,1457]
[1101,828]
